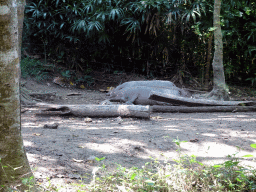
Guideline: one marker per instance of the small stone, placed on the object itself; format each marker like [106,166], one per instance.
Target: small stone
[60,176]
[91,159]
[119,120]
[138,148]
[78,161]
[53,126]
[105,102]
[87,120]
[74,176]
[194,140]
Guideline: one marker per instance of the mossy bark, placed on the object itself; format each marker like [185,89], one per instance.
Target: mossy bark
[14,164]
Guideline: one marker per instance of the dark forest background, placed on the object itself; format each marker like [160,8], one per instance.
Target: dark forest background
[155,38]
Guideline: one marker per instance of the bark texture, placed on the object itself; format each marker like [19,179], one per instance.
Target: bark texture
[176,100]
[208,62]
[14,164]
[96,110]
[220,90]
[20,10]
[25,97]
[202,109]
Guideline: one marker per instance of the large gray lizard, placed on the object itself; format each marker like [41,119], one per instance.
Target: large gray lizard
[151,83]
[140,94]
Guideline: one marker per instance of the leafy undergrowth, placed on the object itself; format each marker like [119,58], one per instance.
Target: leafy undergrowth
[97,79]
[187,175]
[242,93]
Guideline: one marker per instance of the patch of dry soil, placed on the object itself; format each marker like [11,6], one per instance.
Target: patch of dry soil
[65,154]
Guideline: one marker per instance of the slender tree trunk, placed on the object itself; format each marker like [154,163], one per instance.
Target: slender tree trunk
[14,164]
[220,90]
[25,97]
[208,62]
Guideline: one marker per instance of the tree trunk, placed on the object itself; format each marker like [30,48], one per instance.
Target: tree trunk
[25,98]
[220,90]
[208,62]
[14,164]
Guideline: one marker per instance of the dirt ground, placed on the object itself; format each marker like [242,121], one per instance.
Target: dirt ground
[66,154]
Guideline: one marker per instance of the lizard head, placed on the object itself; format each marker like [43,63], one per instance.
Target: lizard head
[116,95]
[112,95]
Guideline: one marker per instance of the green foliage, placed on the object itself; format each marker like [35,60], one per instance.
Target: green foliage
[108,31]
[34,68]
[30,182]
[239,38]
[156,37]
[99,159]
[88,79]
[188,175]
[253,145]
[252,79]
[66,74]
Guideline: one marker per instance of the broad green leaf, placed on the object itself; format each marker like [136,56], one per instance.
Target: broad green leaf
[247,156]
[217,166]
[253,145]
[133,176]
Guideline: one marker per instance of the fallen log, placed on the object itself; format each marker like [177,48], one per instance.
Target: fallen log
[201,109]
[95,110]
[169,98]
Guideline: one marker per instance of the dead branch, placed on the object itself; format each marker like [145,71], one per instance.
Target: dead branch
[95,110]
[201,109]
[168,98]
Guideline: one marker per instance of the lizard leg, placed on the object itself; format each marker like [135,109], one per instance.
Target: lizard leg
[130,100]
